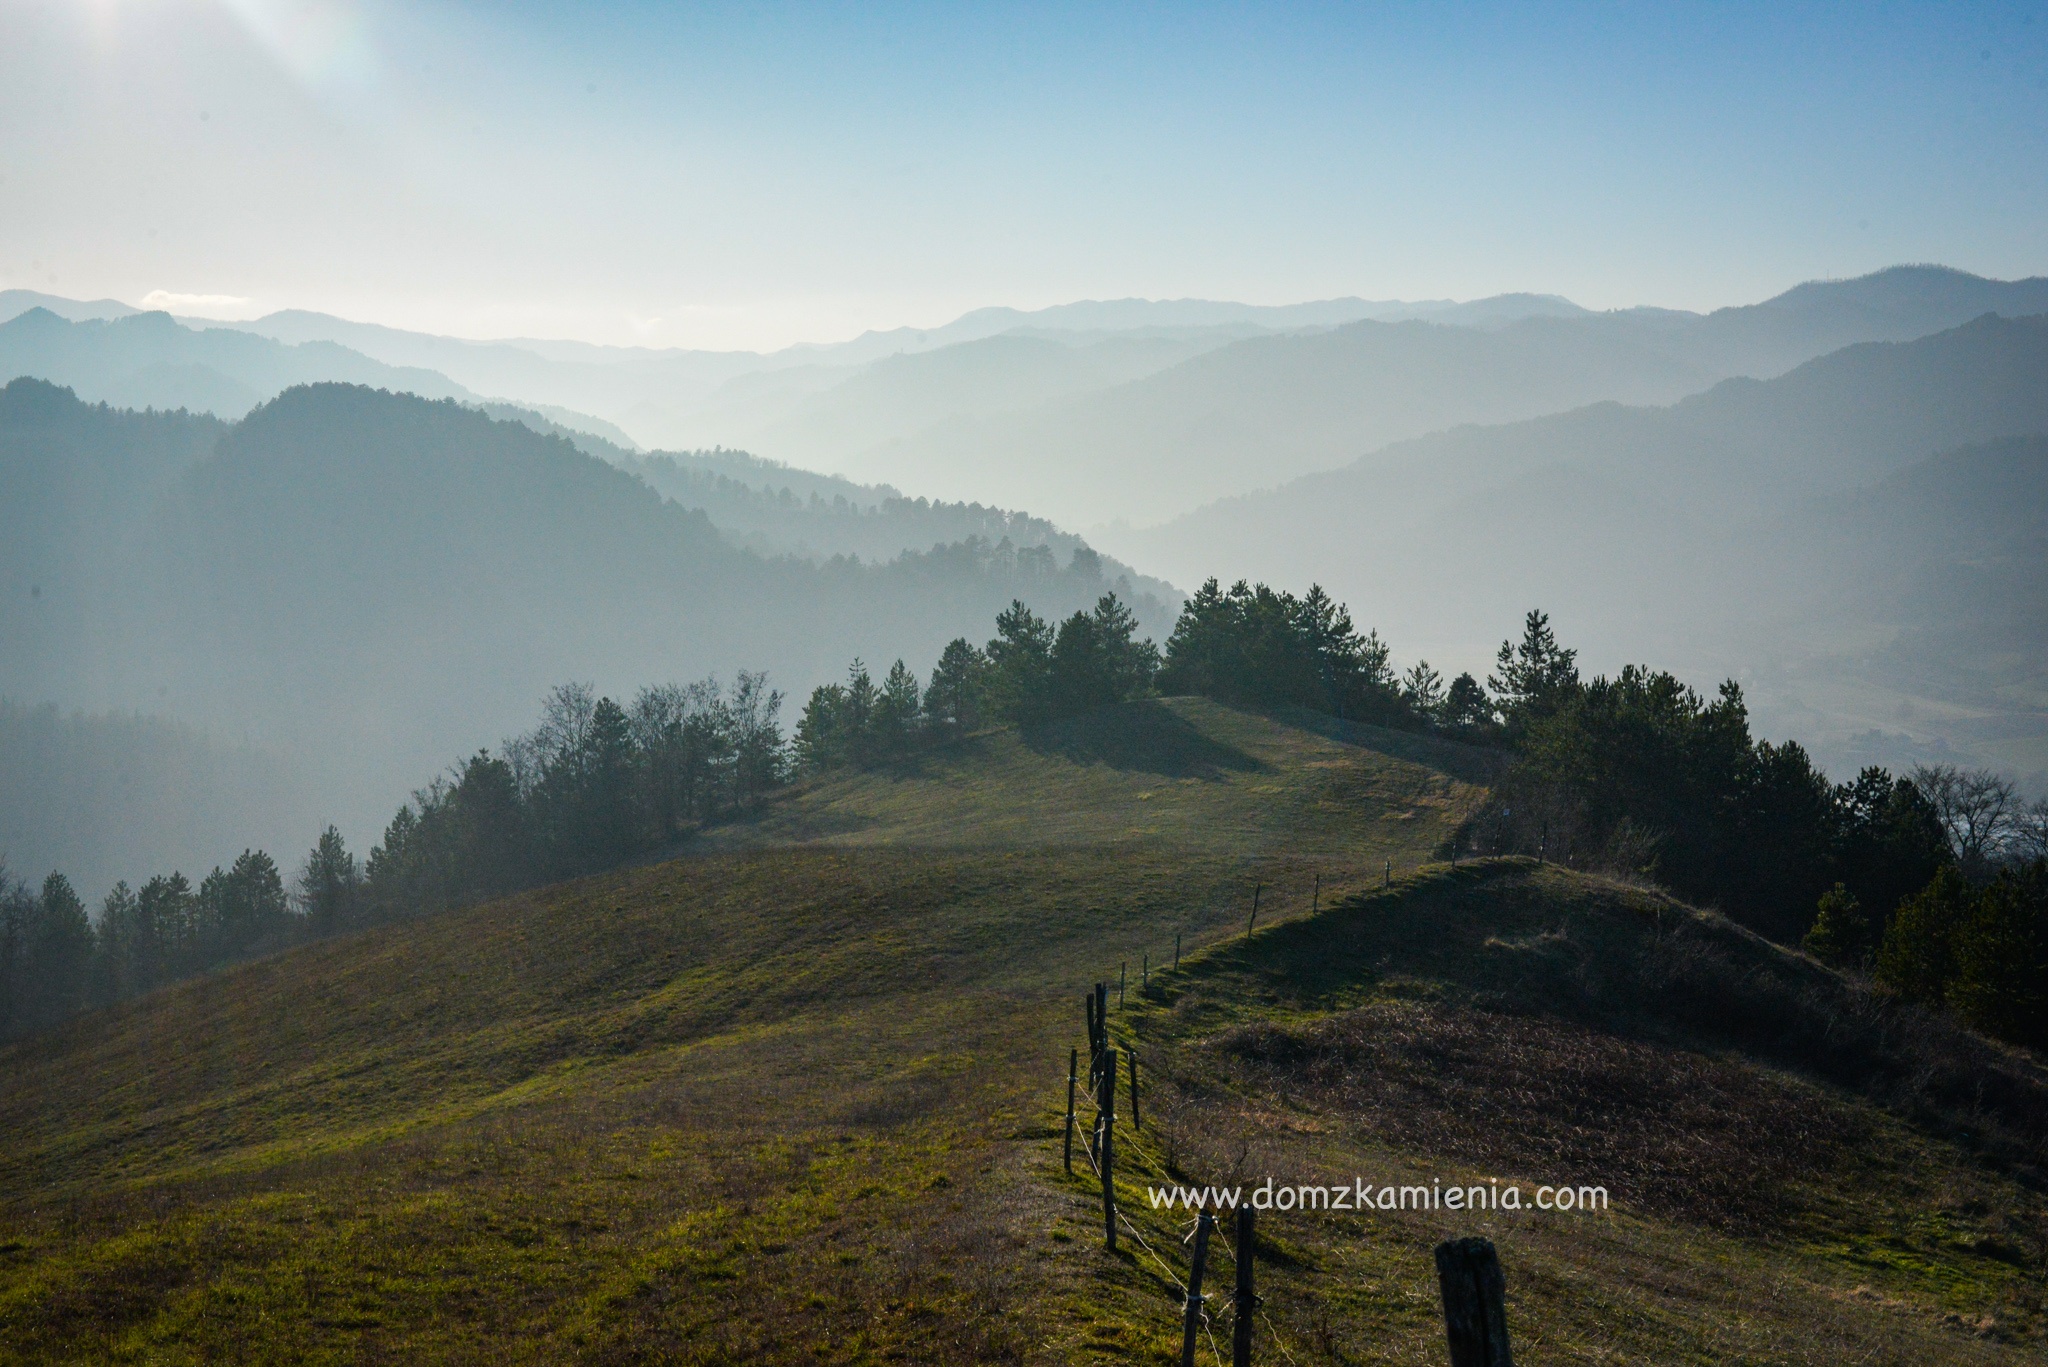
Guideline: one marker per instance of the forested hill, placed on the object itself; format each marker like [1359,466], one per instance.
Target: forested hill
[368,583]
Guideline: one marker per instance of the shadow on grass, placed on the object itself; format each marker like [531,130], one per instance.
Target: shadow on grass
[1467,763]
[1141,737]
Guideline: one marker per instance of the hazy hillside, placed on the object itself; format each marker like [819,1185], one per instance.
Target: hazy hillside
[1269,409]
[108,797]
[1668,533]
[14,303]
[757,1106]
[149,360]
[666,393]
[369,585]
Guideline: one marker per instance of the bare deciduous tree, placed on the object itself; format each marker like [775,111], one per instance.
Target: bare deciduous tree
[1980,810]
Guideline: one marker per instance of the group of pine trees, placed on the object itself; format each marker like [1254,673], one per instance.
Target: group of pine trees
[594,784]
[1250,645]
[55,960]
[1029,672]
[1933,883]
[1974,939]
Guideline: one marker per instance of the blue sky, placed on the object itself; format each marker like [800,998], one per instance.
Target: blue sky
[751,176]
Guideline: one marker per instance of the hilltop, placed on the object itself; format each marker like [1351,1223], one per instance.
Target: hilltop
[795,1096]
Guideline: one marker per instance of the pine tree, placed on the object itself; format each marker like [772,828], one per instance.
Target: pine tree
[329,885]
[953,699]
[2001,958]
[1533,679]
[1020,665]
[1842,932]
[1918,957]
[898,709]
[60,951]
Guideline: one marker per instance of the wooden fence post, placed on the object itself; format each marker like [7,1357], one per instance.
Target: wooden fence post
[1108,1122]
[1136,1123]
[1475,1303]
[1245,1301]
[1316,904]
[1257,888]
[1390,873]
[1193,1320]
[1073,1068]
[1176,949]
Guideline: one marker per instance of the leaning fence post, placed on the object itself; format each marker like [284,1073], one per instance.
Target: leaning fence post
[1136,1123]
[1257,888]
[1475,1300]
[1073,1068]
[1108,1150]
[1245,1301]
[1193,1320]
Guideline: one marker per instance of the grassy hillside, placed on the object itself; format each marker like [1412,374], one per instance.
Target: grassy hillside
[1182,772]
[777,1103]
[794,1097]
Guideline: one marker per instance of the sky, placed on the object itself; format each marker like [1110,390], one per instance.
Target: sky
[756,175]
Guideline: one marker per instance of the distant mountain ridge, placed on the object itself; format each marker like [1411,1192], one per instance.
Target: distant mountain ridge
[1715,533]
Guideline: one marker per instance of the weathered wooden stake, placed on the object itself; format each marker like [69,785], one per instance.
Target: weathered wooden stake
[1245,1301]
[1475,1303]
[1108,1151]
[1176,949]
[1073,1070]
[1136,1123]
[1316,904]
[1257,888]
[1094,1036]
[1390,873]
[1192,1322]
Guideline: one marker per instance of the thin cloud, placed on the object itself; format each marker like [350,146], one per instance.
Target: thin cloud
[171,301]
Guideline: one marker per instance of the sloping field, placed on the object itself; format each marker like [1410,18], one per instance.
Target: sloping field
[772,1104]
[1182,772]
[796,1098]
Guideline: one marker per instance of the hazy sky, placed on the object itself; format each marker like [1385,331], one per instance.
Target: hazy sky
[754,175]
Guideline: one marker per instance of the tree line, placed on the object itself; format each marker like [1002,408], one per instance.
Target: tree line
[1931,882]
[1250,645]
[594,784]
